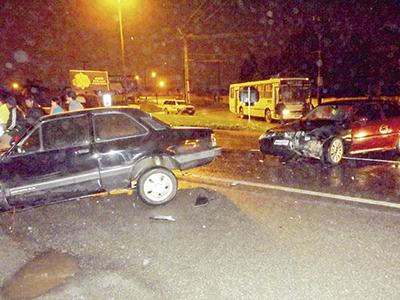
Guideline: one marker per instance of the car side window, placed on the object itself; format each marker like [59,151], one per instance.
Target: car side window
[116,125]
[391,110]
[32,142]
[371,112]
[66,132]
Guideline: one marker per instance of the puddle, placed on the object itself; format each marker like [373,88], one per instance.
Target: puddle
[37,277]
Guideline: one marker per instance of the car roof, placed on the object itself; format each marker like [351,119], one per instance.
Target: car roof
[130,110]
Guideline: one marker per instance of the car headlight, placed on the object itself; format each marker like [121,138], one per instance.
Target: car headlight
[285,112]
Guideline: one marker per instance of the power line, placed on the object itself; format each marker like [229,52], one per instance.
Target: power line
[221,7]
[194,13]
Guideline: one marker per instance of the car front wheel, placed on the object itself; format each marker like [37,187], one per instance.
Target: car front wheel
[333,151]
[157,186]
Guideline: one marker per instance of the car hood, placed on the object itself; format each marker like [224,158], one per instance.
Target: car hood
[303,125]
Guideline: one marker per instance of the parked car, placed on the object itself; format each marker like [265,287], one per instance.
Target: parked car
[177,107]
[75,154]
[335,129]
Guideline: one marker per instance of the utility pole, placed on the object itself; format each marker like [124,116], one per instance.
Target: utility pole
[189,36]
[185,65]
[319,78]
[121,32]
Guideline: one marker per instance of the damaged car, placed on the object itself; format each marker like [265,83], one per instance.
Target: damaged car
[91,151]
[337,129]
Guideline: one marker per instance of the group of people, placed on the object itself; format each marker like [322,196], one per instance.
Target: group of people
[14,121]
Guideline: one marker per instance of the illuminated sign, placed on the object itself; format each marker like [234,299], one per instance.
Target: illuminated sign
[89,80]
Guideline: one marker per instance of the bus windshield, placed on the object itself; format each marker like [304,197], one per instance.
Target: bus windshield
[294,94]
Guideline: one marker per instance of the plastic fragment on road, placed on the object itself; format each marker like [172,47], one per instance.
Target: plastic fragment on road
[201,201]
[163,218]
[146,262]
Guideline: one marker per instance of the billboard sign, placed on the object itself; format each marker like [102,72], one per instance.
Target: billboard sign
[87,80]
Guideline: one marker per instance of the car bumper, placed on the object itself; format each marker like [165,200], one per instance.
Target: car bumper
[196,159]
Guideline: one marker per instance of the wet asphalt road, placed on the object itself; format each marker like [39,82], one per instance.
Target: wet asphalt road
[247,243]
[376,176]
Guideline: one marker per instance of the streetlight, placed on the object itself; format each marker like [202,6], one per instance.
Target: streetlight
[15,85]
[121,32]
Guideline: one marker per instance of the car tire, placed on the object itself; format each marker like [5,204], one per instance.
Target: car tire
[166,111]
[333,151]
[268,116]
[241,113]
[157,186]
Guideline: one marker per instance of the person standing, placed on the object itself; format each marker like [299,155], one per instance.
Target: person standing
[34,111]
[279,108]
[307,107]
[73,103]
[56,106]
[16,124]
[4,115]
[4,112]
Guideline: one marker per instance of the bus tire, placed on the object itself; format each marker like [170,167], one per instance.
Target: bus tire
[268,116]
[241,113]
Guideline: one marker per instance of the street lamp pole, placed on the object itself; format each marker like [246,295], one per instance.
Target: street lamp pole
[121,32]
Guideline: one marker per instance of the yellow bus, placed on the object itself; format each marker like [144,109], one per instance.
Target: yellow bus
[259,98]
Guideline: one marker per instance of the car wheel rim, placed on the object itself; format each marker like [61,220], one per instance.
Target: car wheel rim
[336,151]
[158,187]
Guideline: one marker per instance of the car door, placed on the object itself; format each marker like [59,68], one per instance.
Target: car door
[120,140]
[367,130]
[54,162]
[391,113]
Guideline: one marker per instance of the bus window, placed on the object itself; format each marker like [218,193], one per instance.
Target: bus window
[244,95]
[268,91]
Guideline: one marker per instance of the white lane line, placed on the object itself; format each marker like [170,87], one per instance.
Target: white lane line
[373,160]
[300,191]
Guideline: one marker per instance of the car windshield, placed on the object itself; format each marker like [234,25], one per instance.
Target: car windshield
[334,112]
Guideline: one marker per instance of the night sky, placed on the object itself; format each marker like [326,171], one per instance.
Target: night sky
[358,40]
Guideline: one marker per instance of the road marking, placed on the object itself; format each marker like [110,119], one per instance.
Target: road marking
[373,160]
[300,191]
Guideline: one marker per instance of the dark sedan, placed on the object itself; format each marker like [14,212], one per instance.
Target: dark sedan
[335,129]
[75,154]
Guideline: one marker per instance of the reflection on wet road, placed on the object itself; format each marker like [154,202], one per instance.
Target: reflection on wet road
[376,180]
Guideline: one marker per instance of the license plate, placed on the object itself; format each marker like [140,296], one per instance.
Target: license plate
[281,142]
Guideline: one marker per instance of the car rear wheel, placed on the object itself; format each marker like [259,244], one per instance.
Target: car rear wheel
[268,116]
[166,111]
[157,186]
[333,151]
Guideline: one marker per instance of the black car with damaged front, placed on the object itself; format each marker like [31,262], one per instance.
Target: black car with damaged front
[323,134]
[335,129]
[91,151]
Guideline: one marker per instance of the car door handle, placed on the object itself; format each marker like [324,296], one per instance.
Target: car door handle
[82,151]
